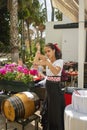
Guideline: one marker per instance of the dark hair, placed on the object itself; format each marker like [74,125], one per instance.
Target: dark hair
[58,53]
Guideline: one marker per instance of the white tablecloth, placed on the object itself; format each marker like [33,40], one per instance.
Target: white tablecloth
[74,120]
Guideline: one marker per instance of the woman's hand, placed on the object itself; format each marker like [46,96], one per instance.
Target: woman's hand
[42,57]
[45,62]
[42,60]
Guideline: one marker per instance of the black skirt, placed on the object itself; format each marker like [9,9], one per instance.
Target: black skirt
[56,105]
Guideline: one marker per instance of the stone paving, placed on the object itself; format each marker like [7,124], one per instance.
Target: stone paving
[13,125]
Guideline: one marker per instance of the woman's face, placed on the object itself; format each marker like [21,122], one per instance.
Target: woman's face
[49,52]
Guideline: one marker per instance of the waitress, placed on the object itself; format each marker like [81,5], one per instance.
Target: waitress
[56,104]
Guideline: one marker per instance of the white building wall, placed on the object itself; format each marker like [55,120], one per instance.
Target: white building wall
[70,44]
[53,35]
[67,40]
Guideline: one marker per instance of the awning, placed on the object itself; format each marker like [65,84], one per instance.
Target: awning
[70,8]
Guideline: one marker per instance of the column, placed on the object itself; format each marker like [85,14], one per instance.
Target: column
[81,45]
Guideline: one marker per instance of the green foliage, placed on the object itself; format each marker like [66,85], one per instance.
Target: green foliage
[58,15]
[3,3]
[9,76]
[29,10]
[29,60]
[24,13]
[27,78]
[42,43]
[4,26]
[14,72]
[18,77]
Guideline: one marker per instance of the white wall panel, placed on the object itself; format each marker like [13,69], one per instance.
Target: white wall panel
[67,40]
[70,44]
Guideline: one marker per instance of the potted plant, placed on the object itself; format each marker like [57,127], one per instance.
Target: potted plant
[13,76]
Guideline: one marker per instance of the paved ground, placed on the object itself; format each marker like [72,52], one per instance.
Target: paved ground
[13,125]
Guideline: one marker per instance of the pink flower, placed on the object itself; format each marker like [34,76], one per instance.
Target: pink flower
[33,72]
[3,71]
[25,71]
[20,69]
[15,72]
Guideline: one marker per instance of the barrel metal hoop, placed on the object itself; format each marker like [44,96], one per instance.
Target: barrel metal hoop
[18,106]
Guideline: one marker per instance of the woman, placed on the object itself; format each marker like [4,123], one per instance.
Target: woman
[54,65]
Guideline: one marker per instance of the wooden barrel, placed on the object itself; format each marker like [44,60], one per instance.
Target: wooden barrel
[20,105]
[2,97]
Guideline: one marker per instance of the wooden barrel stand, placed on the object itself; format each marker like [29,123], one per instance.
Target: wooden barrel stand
[25,122]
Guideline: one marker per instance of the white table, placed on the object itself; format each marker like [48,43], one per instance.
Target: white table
[74,120]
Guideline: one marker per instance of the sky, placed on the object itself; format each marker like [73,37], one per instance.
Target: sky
[48,8]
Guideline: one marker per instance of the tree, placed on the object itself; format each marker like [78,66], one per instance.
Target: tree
[33,9]
[55,13]
[14,35]
[45,9]
[58,15]
[39,21]
[29,12]
[4,27]
[32,15]
[26,14]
